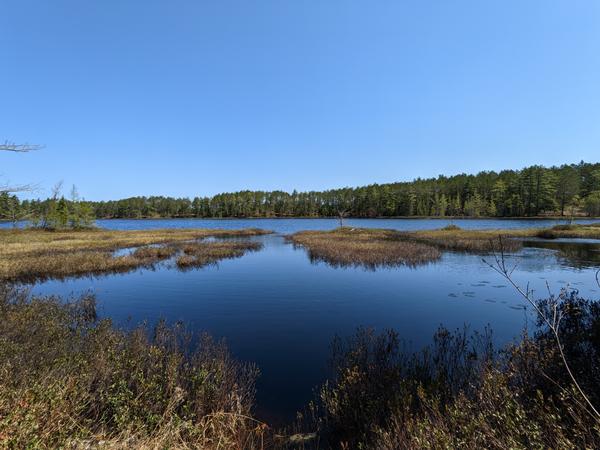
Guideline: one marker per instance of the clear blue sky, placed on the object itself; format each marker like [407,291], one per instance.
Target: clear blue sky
[195,97]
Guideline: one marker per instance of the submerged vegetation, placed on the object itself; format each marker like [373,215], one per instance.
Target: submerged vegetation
[30,255]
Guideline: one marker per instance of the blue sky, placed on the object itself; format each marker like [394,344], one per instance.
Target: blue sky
[190,98]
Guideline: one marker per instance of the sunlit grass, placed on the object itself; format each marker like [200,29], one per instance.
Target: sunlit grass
[30,255]
[377,247]
[366,247]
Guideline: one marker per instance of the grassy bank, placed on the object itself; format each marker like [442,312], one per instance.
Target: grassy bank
[30,255]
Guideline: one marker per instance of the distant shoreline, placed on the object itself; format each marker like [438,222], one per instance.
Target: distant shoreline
[358,218]
[537,218]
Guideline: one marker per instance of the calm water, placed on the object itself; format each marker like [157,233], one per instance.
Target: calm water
[279,310]
[286,226]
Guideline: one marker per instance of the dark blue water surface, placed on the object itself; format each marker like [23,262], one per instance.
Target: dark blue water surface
[280,311]
[292,225]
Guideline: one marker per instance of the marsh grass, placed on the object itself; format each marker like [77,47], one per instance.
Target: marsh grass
[377,247]
[69,380]
[155,253]
[576,231]
[33,255]
[364,247]
[470,241]
[200,254]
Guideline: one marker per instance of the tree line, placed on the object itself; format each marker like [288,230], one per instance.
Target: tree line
[570,189]
[56,212]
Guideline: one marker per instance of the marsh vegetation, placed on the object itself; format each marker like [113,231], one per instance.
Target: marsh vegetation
[200,254]
[371,247]
[69,379]
[34,254]
[367,247]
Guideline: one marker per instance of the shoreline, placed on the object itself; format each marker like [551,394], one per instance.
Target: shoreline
[576,219]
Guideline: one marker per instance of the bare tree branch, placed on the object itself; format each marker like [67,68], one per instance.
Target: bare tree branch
[13,189]
[20,148]
[553,322]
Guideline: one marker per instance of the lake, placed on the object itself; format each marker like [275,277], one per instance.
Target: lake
[279,310]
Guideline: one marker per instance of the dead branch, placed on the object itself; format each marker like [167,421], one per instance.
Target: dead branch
[553,321]
[20,148]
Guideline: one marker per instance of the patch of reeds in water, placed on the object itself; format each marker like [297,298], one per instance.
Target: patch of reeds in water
[364,247]
[575,231]
[377,247]
[470,241]
[200,254]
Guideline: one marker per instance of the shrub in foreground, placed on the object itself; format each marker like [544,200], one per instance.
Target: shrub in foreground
[460,393]
[69,379]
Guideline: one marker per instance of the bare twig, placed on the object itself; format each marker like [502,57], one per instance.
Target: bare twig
[20,148]
[553,322]
[18,188]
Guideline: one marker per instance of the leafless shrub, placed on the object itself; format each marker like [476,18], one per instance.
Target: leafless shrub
[551,315]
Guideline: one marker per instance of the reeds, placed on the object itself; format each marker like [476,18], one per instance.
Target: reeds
[575,231]
[200,254]
[364,247]
[470,241]
[32,255]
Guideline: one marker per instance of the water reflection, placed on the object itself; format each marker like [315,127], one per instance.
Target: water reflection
[579,253]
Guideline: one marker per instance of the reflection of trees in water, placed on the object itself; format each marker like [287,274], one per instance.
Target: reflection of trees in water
[574,254]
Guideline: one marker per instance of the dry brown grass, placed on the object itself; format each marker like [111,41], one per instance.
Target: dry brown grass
[155,253]
[473,241]
[591,231]
[377,247]
[30,255]
[374,247]
[364,247]
[200,254]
